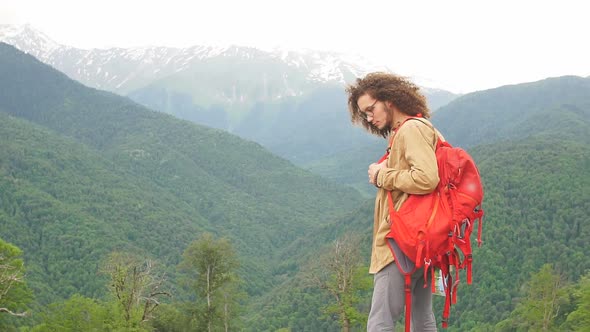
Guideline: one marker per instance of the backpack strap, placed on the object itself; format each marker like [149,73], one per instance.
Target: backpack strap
[418,117]
[408,291]
[439,141]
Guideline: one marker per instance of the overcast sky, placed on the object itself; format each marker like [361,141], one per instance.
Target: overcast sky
[462,46]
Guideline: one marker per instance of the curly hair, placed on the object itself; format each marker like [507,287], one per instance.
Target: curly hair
[398,90]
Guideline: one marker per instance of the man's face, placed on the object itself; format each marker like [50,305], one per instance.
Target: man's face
[374,111]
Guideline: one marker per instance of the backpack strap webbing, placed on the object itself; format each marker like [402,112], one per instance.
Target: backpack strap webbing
[408,290]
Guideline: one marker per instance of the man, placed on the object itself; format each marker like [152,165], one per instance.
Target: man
[381,103]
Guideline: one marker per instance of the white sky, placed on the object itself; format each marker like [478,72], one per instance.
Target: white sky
[461,46]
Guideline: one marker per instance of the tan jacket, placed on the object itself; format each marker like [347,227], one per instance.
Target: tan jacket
[411,169]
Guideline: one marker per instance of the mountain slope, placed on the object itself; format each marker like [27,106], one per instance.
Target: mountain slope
[190,176]
[537,206]
[67,207]
[491,115]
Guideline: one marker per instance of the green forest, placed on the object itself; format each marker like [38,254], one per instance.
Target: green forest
[114,217]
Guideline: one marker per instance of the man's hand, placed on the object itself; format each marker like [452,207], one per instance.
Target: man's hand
[373,168]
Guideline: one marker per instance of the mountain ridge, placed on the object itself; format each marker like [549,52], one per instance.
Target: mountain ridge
[515,103]
[259,95]
[124,70]
[322,66]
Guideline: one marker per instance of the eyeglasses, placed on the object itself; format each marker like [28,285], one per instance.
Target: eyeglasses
[369,110]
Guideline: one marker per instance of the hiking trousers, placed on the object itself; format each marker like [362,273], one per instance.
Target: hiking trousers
[389,298]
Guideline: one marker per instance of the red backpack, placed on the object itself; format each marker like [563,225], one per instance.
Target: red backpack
[434,230]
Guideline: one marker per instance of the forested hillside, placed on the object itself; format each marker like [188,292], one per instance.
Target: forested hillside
[537,206]
[84,172]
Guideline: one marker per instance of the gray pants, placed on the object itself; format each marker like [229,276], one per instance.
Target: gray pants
[389,301]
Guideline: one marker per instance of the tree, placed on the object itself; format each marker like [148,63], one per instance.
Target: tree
[544,293]
[135,285]
[78,313]
[211,264]
[12,273]
[171,318]
[340,272]
[579,319]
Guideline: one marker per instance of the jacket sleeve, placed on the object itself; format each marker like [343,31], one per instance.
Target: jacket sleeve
[417,148]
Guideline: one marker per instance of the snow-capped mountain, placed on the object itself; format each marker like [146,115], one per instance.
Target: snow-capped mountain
[291,102]
[124,70]
[25,38]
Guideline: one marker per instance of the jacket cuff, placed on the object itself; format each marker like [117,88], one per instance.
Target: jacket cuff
[376,179]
